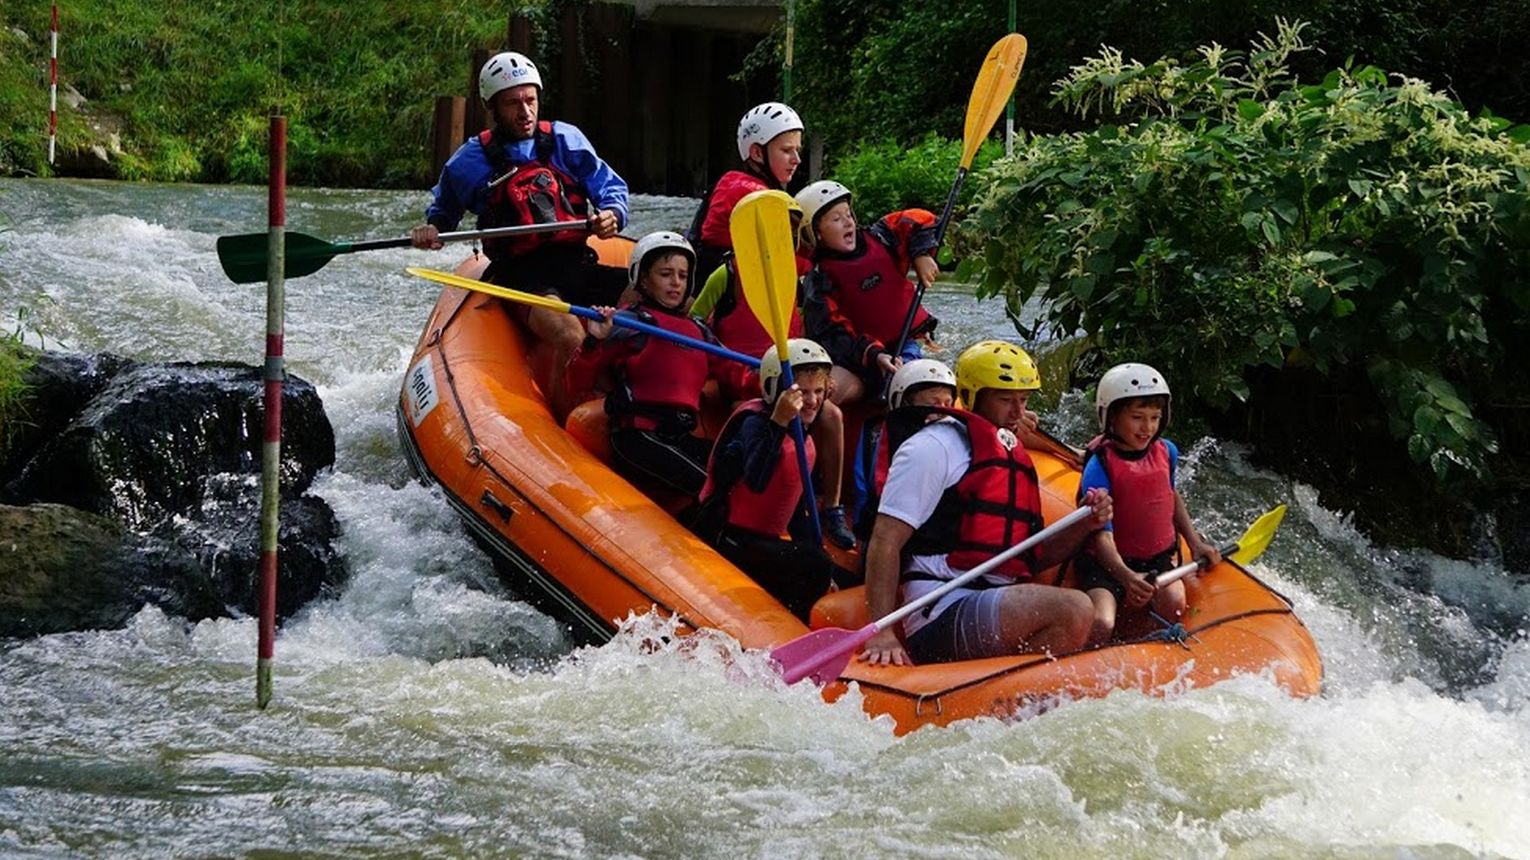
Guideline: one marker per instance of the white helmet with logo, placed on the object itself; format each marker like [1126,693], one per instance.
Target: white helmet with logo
[506,70]
[817,197]
[1129,380]
[663,240]
[762,123]
[802,353]
[923,371]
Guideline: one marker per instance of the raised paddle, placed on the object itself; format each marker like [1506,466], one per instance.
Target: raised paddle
[1244,550]
[561,306]
[995,81]
[761,229]
[824,653]
[244,256]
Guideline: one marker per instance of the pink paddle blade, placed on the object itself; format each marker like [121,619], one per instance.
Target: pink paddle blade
[822,654]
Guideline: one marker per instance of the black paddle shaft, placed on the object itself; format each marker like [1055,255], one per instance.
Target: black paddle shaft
[940,236]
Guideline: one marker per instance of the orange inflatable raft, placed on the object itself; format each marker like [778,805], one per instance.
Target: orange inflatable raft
[585,545]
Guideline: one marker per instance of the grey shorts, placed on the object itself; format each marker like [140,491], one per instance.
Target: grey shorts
[968,629]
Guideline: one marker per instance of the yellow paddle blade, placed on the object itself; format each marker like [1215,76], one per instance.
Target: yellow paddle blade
[1258,536]
[491,289]
[995,81]
[761,228]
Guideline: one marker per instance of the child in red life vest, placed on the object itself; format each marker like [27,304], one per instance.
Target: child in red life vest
[723,305]
[654,385]
[921,382]
[770,147]
[754,491]
[1136,465]
[858,293]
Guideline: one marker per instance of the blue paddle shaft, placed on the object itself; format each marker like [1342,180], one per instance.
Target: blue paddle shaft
[638,325]
[802,461]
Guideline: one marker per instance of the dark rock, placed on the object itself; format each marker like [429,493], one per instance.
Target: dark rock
[58,385]
[146,446]
[226,541]
[63,569]
[170,456]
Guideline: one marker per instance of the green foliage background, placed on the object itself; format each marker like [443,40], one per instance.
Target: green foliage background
[192,84]
[876,72]
[1226,217]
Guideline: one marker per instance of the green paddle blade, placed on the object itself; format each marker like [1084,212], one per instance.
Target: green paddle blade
[244,256]
[1258,536]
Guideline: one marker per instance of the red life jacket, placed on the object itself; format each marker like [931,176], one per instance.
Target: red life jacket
[766,513]
[994,506]
[535,192]
[730,188]
[871,289]
[1143,495]
[735,322]
[662,376]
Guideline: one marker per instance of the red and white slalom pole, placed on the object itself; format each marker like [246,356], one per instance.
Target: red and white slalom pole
[271,448]
[53,84]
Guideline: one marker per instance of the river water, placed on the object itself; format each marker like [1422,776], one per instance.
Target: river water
[427,712]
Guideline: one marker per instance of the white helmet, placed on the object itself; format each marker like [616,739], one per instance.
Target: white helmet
[506,70]
[762,123]
[817,197]
[802,353]
[663,240]
[1130,380]
[924,371]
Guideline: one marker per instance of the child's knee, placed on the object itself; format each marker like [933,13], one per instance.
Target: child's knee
[1169,601]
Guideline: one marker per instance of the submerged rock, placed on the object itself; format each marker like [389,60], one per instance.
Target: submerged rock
[64,569]
[169,455]
[146,446]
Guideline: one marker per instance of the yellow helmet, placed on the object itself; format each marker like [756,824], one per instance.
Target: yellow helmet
[994,364]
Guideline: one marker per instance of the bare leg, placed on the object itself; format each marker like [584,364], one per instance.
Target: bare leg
[1044,618]
[829,439]
[560,334]
[1104,616]
[847,386]
[1169,601]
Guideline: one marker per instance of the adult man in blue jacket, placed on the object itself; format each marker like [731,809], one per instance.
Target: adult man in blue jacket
[524,171]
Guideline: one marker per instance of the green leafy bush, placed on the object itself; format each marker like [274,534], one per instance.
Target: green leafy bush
[888,176]
[1236,218]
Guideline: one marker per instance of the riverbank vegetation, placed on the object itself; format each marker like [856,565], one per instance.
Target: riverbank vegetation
[185,93]
[1227,222]
[867,72]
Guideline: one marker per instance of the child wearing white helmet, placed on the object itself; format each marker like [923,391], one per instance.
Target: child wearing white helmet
[1134,463]
[754,493]
[858,293]
[654,385]
[916,388]
[770,147]
[525,170]
[723,305]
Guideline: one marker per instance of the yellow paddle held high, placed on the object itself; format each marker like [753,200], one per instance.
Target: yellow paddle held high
[763,249]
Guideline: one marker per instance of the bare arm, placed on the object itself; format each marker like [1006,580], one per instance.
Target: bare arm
[883,570]
[1067,544]
[1186,529]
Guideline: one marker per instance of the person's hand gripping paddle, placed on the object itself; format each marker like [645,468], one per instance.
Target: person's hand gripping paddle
[763,248]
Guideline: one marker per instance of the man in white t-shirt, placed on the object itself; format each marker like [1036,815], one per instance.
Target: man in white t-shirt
[959,491]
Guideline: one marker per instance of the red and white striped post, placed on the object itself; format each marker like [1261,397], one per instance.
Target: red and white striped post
[271,449]
[52,83]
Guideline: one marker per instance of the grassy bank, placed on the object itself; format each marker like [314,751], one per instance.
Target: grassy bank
[188,91]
